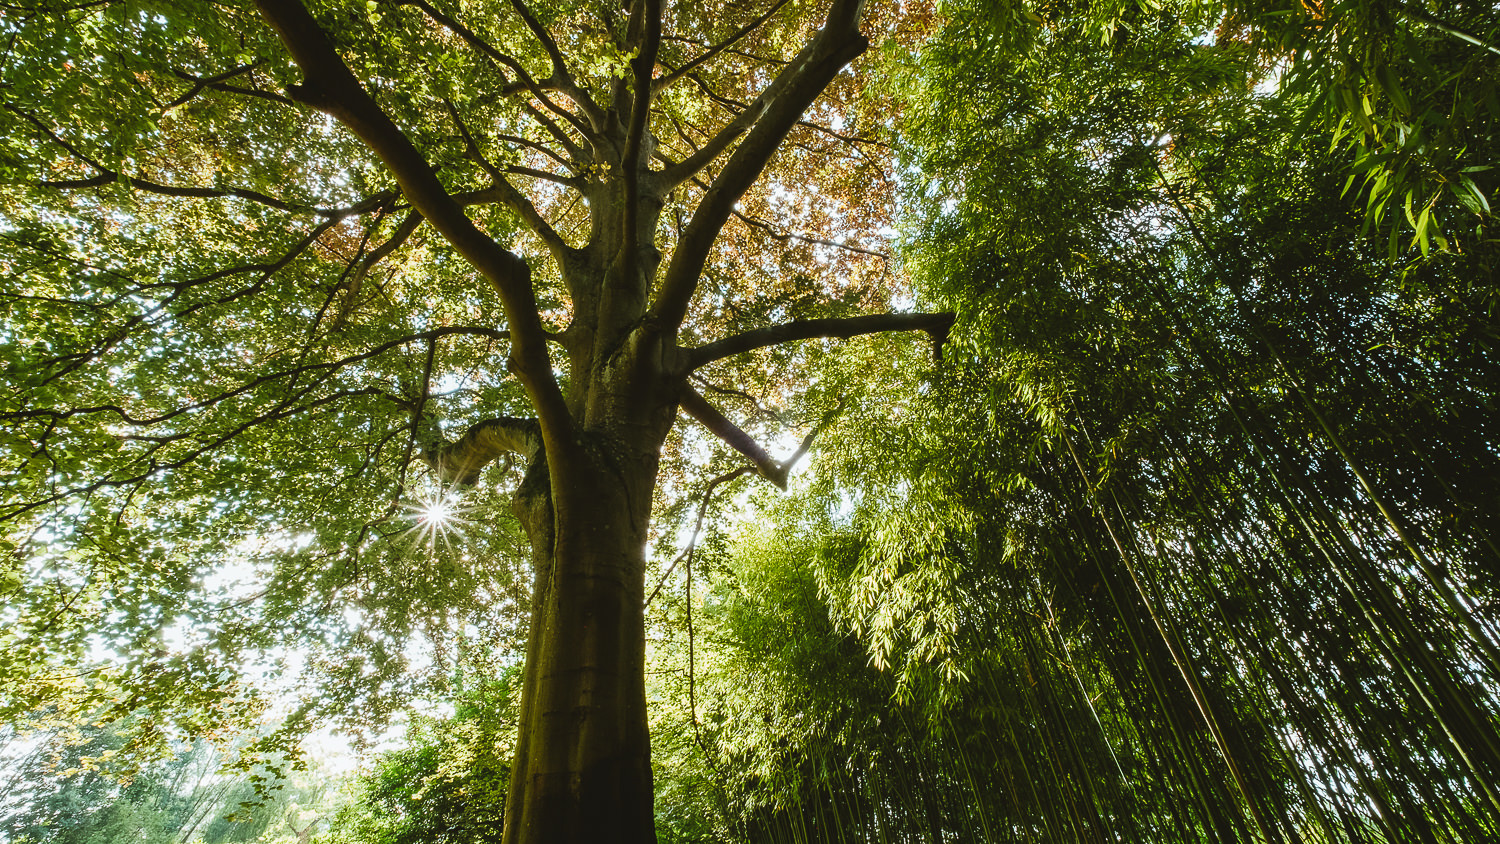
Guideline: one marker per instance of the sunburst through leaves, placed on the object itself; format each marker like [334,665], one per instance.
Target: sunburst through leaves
[438,517]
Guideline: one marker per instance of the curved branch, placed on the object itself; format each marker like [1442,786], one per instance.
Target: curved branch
[936,325]
[781,104]
[283,410]
[526,82]
[331,87]
[322,369]
[508,194]
[561,77]
[153,316]
[108,176]
[461,461]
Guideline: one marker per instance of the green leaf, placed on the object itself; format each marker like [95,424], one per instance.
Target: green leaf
[1386,75]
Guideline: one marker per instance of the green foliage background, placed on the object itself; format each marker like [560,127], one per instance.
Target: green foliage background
[1190,537]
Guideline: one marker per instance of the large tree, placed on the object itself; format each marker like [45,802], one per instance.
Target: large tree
[265,256]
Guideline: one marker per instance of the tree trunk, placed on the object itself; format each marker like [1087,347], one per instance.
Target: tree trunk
[582,771]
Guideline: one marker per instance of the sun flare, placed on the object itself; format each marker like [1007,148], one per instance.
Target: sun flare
[437,516]
[436,513]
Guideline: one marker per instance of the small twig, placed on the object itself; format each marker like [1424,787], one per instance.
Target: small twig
[697,526]
[762,410]
[201,82]
[781,236]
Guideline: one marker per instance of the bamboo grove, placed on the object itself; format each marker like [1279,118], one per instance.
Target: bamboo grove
[1194,539]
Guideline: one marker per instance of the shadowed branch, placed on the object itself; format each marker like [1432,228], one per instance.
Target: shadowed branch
[773,470]
[936,326]
[460,461]
[331,87]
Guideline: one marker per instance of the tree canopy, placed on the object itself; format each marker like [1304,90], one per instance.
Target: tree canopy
[340,336]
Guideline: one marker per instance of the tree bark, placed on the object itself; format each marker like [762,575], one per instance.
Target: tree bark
[583,767]
[582,771]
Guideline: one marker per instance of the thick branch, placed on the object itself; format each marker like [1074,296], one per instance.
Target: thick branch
[790,94]
[642,68]
[409,225]
[936,326]
[460,462]
[696,406]
[511,197]
[716,145]
[330,86]
[775,471]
